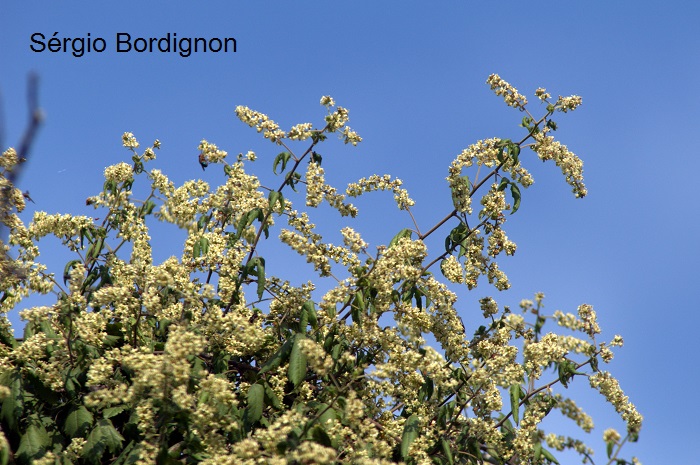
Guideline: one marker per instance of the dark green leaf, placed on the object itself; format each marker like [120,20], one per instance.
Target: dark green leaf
[13,404]
[271,397]
[279,357]
[320,436]
[78,422]
[33,443]
[66,271]
[113,411]
[447,450]
[111,437]
[254,409]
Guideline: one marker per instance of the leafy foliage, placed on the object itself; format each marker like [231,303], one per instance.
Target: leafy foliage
[208,358]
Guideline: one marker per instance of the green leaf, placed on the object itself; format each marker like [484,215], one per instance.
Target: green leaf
[282,157]
[78,422]
[204,245]
[401,234]
[503,184]
[13,405]
[447,450]
[4,456]
[514,152]
[297,362]
[610,445]
[594,363]
[548,455]
[95,249]
[329,413]
[276,197]
[279,357]
[410,433]
[131,453]
[515,192]
[260,268]
[515,392]
[113,411]
[310,308]
[202,222]
[320,436]
[111,436]
[254,409]
[69,266]
[33,443]
[271,397]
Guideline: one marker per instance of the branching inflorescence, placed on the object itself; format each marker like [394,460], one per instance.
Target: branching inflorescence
[207,358]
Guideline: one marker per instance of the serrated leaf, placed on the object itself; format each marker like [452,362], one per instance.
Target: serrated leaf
[113,411]
[297,362]
[254,409]
[33,443]
[410,433]
[78,422]
[111,436]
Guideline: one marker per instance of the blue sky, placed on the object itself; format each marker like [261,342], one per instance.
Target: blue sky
[413,76]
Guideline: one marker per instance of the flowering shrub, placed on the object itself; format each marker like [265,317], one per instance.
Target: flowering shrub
[207,358]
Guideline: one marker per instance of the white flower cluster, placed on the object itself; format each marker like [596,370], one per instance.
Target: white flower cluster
[571,166]
[211,152]
[261,122]
[566,104]
[375,182]
[508,92]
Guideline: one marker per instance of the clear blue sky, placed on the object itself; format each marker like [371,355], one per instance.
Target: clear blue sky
[412,75]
